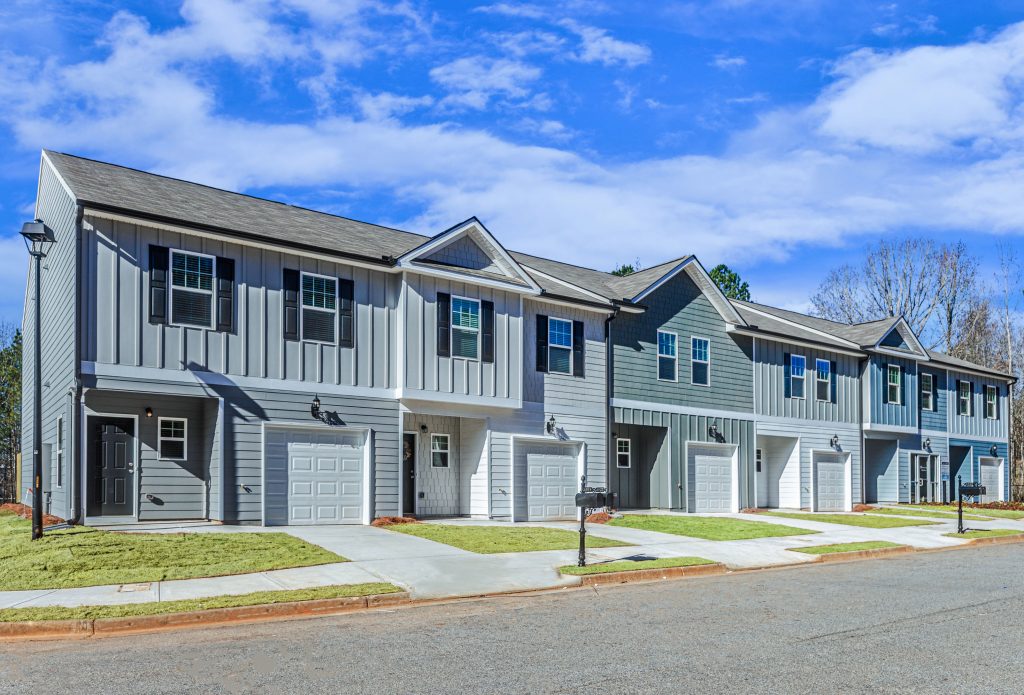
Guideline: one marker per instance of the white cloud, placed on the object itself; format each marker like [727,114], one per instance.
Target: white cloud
[472,81]
[728,63]
[596,46]
[377,107]
[513,10]
[521,44]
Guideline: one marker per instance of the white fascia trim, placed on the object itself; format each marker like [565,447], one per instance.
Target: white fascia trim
[469,279]
[154,375]
[902,355]
[458,399]
[680,409]
[951,372]
[892,429]
[60,178]
[802,424]
[704,282]
[461,230]
[916,344]
[570,285]
[802,327]
[571,304]
[820,347]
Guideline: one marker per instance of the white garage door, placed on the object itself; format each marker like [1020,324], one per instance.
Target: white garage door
[552,480]
[990,479]
[321,473]
[712,478]
[830,482]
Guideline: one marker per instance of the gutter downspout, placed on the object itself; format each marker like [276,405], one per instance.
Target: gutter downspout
[76,404]
[608,417]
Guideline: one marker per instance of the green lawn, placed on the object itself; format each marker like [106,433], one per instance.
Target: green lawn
[502,539]
[629,565]
[901,511]
[83,556]
[845,547]
[261,598]
[985,533]
[993,513]
[706,527]
[867,521]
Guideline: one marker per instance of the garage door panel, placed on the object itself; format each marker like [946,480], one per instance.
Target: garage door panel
[712,478]
[830,482]
[552,480]
[320,474]
[990,479]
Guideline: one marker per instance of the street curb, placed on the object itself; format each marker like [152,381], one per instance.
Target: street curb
[863,554]
[997,540]
[650,575]
[103,627]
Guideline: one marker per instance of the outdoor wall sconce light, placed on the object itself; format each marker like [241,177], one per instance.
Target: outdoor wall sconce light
[149,412]
[314,409]
[927,443]
[713,432]
[994,450]
[834,442]
[550,426]
[423,429]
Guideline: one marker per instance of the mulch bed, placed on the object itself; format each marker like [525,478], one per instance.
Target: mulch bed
[26,513]
[599,518]
[862,507]
[393,521]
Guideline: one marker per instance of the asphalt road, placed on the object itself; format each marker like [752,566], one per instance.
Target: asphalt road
[942,622]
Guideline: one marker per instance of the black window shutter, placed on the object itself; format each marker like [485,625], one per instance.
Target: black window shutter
[998,390]
[487,331]
[444,324]
[578,350]
[835,378]
[290,285]
[346,313]
[159,264]
[542,343]
[226,295]
[786,373]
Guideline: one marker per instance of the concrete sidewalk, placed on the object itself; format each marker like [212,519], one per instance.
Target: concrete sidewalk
[427,569]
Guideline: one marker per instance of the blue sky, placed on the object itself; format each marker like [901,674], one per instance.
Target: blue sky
[778,136]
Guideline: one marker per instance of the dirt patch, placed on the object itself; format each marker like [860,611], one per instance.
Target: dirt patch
[862,507]
[751,510]
[599,518]
[26,513]
[393,521]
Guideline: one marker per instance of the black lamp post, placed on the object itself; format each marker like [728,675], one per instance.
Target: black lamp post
[38,238]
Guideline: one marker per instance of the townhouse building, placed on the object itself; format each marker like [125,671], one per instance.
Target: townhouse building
[211,355]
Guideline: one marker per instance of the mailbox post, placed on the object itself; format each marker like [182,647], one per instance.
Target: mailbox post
[586,499]
[969,490]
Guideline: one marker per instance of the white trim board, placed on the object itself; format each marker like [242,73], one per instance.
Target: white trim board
[681,409]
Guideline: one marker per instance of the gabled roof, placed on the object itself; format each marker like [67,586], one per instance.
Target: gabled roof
[903,330]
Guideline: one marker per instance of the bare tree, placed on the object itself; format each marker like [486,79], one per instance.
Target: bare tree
[957,291]
[840,297]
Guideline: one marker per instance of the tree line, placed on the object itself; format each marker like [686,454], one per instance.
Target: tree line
[10,410]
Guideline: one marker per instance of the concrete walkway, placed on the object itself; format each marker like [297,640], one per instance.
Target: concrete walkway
[433,570]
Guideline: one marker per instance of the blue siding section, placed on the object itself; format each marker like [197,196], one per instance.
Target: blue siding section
[936,419]
[903,414]
[981,449]
[881,470]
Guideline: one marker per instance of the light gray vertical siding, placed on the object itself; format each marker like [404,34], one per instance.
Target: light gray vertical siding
[817,438]
[558,391]
[977,425]
[59,303]
[118,331]
[770,385]
[426,371]
[680,306]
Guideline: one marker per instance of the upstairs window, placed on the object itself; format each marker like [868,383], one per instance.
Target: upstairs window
[927,391]
[894,384]
[559,346]
[823,380]
[172,439]
[700,361]
[466,328]
[319,308]
[991,402]
[192,276]
[439,451]
[797,372]
[667,362]
[623,454]
[963,399]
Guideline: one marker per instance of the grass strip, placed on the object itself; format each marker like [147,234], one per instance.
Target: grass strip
[489,540]
[707,527]
[900,511]
[985,533]
[863,520]
[631,565]
[845,547]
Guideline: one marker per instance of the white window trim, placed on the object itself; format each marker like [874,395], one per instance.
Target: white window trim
[793,377]
[447,451]
[303,307]
[693,361]
[58,451]
[171,287]
[561,347]
[160,439]
[970,399]
[995,402]
[930,391]
[628,452]
[898,384]
[661,356]
[758,460]
[452,327]
[818,379]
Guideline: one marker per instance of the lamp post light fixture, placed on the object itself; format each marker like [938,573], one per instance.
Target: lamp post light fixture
[38,239]
[551,424]
[314,408]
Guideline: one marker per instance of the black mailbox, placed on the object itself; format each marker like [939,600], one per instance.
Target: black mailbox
[972,490]
[590,500]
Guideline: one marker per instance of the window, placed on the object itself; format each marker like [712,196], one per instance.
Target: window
[894,384]
[559,346]
[192,289]
[172,438]
[439,450]
[758,459]
[700,361]
[319,308]
[465,328]
[963,398]
[991,402]
[59,477]
[667,362]
[823,380]
[622,453]
[927,391]
[797,367]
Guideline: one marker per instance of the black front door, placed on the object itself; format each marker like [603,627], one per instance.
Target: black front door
[111,467]
[408,474]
